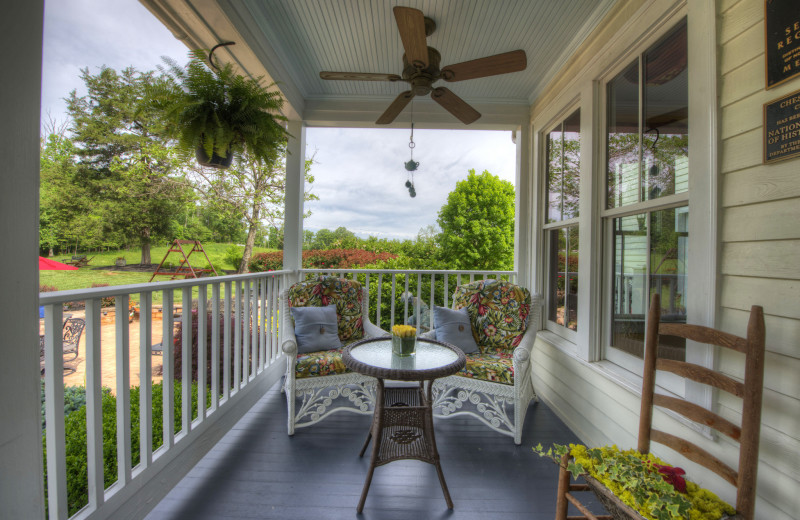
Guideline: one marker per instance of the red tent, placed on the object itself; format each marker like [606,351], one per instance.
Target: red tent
[45,264]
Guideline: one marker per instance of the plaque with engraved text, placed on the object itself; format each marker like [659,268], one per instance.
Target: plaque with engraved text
[782,37]
[782,128]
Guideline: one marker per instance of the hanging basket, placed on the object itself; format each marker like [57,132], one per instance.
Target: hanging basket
[215,161]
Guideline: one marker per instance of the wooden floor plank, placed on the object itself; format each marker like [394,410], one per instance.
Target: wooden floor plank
[257,471]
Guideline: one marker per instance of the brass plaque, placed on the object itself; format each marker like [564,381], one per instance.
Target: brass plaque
[782,128]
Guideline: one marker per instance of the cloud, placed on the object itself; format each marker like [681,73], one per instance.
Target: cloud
[359,175]
[94,33]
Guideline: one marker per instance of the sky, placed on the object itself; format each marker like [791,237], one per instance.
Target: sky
[359,173]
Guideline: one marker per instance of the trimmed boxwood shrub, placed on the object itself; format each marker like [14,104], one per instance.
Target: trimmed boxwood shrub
[74,398]
[75,429]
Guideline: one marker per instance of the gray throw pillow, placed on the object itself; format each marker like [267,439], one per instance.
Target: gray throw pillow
[315,328]
[454,327]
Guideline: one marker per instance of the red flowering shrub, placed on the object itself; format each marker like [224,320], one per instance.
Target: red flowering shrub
[177,352]
[108,301]
[320,259]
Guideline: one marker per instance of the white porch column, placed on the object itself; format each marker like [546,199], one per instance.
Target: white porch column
[21,488]
[523,218]
[293,205]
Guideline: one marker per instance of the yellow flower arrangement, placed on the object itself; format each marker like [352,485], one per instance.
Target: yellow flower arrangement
[404,339]
[404,331]
[643,482]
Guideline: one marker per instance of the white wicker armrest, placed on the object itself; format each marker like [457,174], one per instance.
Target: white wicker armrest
[373,331]
[522,354]
[289,347]
[289,343]
[431,334]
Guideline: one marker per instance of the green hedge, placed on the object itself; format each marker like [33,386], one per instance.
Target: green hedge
[75,428]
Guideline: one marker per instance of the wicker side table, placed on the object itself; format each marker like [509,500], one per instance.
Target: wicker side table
[402,425]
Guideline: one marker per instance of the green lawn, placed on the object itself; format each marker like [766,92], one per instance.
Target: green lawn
[84,277]
[215,252]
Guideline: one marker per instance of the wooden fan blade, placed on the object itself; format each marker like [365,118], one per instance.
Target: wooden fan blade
[395,108]
[359,76]
[513,61]
[411,24]
[455,105]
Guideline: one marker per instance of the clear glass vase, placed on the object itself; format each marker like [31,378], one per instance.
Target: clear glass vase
[404,347]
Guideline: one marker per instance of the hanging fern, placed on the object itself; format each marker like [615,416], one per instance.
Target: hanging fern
[219,110]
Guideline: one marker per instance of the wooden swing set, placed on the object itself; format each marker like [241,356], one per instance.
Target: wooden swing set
[184,268]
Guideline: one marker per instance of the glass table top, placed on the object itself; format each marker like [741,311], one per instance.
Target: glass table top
[428,356]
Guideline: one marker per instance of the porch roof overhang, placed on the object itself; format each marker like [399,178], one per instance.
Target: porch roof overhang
[289,42]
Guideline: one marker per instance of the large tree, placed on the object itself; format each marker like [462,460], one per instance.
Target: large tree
[253,188]
[477,224]
[125,165]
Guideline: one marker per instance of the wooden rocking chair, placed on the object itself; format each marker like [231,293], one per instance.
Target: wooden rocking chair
[744,480]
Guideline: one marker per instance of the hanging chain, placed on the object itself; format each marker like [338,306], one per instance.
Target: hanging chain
[411,143]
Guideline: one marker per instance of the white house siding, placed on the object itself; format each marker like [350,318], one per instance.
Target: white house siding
[759,235]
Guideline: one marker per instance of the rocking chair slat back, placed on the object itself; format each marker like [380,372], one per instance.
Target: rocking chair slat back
[702,375]
[750,391]
[698,414]
[695,453]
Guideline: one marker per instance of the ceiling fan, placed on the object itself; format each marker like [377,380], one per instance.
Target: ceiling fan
[421,69]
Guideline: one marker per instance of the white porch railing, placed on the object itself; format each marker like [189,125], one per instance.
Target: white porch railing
[395,293]
[249,366]
[243,313]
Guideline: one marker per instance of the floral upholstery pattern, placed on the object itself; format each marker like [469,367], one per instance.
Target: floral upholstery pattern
[498,311]
[325,290]
[324,363]
[497,367]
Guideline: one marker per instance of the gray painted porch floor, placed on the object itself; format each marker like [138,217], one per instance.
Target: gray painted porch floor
[257,471]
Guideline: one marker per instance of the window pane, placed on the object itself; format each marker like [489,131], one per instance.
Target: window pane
[572,165]
[572,278]
[563,277]
[555,175]
[558,271]
[665,140]
[630,284]
[669,240]
[623,138]
[641,270]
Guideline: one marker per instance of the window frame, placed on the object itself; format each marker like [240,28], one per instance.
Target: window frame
[701,197]
[587,89]
[546,227]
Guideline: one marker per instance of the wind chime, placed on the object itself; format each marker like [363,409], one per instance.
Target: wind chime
[411,166]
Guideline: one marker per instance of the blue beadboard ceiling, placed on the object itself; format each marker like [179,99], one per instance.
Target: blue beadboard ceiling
[308,36]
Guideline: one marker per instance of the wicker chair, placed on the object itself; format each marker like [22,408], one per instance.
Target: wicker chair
[504,320]
[750,391]
[318,384]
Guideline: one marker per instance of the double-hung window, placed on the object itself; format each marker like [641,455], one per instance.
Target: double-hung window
[562,181]
[646,210]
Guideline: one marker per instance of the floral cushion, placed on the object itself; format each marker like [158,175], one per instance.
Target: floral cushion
[497,367]
[325,290]
[498,311]
[323,363]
